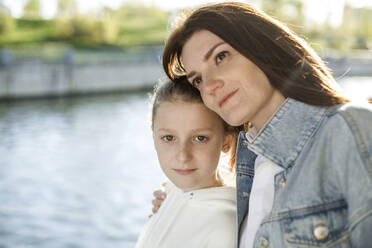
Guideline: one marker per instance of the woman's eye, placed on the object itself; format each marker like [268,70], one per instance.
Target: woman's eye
[220,56]
[201,138]
[167,138]
[196,82]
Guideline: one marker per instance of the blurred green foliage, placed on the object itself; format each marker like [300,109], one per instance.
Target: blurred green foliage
[29,31]
[67,8]
[7,23]
[130,25]
[32,9]
[84,30]
[355,31]
[135,25]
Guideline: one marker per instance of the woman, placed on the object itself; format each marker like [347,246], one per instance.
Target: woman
[306,177]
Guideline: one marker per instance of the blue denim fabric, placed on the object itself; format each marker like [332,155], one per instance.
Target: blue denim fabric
[323,198]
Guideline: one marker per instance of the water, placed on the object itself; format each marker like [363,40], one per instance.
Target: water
[357,87]
[76,173]
[79,173]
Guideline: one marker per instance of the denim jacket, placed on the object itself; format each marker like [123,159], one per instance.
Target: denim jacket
[323,197]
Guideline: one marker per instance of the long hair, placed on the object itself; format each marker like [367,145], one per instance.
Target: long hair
[288,62]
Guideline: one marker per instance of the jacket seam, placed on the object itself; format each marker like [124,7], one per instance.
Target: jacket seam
[241,169]
[300,243]
[359,219]
[359,141]
[305,211]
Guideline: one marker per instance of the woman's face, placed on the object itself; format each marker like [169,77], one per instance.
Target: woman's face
[229,83]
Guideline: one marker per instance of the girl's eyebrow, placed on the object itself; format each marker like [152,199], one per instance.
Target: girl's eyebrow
[202,129]
[193,130]
[164,130]
[206,57]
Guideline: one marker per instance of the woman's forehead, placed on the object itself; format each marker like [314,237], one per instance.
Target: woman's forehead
[201,39]
[197,47]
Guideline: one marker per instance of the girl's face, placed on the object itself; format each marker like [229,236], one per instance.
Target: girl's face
[229,83]
[188,138]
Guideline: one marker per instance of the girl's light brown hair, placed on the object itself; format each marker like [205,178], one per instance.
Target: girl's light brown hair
[180,90]
[289,63]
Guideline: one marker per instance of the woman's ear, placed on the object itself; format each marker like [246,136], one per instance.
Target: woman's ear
[227,143]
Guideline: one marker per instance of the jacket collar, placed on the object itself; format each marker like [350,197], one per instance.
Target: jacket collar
[286,133]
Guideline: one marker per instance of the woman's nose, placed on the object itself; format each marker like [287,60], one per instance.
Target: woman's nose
[212,83]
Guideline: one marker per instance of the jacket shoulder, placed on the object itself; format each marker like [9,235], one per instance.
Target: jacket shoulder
[350,126]
[358,116]
[353,108]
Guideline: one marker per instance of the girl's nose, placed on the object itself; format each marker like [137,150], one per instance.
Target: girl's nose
[184,153]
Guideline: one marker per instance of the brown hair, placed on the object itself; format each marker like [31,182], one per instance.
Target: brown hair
[289,63]
[180,89]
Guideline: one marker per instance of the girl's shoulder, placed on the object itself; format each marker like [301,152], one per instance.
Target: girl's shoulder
[221,198]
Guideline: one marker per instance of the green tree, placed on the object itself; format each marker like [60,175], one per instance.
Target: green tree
[106,30]
[67,8]
[32,9]
[87,30]
[141,25]
[137,16]
[366,24]
[273,7]
[288,11]
[7,22]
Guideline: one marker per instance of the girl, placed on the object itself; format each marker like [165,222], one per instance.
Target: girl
[200,210]
[304,167]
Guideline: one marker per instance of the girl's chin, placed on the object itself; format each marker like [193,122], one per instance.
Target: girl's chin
[187,189]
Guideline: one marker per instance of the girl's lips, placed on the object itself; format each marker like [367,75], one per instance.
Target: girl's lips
[184,172]
[226,98]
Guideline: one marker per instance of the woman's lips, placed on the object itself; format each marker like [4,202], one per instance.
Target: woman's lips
[226,98]
[184,172]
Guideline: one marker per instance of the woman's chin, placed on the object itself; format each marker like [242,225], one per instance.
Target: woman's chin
[234,121]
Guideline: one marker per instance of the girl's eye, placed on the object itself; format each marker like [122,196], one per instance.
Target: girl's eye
[201,138]
[167,138]
[196,82]
[220,56]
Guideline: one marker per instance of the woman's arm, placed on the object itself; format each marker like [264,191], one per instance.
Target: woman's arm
[352,147]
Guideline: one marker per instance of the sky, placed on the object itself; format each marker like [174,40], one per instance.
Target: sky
[316,10]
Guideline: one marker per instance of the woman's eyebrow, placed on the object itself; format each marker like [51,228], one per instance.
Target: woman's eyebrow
[190,75]
[206,57]
[209,53]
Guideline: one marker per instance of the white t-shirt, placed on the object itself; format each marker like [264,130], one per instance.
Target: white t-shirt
[260,201]
[198,218]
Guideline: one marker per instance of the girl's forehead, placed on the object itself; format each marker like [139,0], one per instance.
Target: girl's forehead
[183,109]
[177,102]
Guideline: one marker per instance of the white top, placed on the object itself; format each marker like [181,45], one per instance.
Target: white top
[261,199]
[199,218]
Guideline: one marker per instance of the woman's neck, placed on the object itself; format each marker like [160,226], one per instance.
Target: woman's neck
[270,108]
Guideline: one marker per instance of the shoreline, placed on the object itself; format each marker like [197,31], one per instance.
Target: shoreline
[37,79]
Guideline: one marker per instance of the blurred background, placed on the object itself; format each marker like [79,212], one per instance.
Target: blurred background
[77,163]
